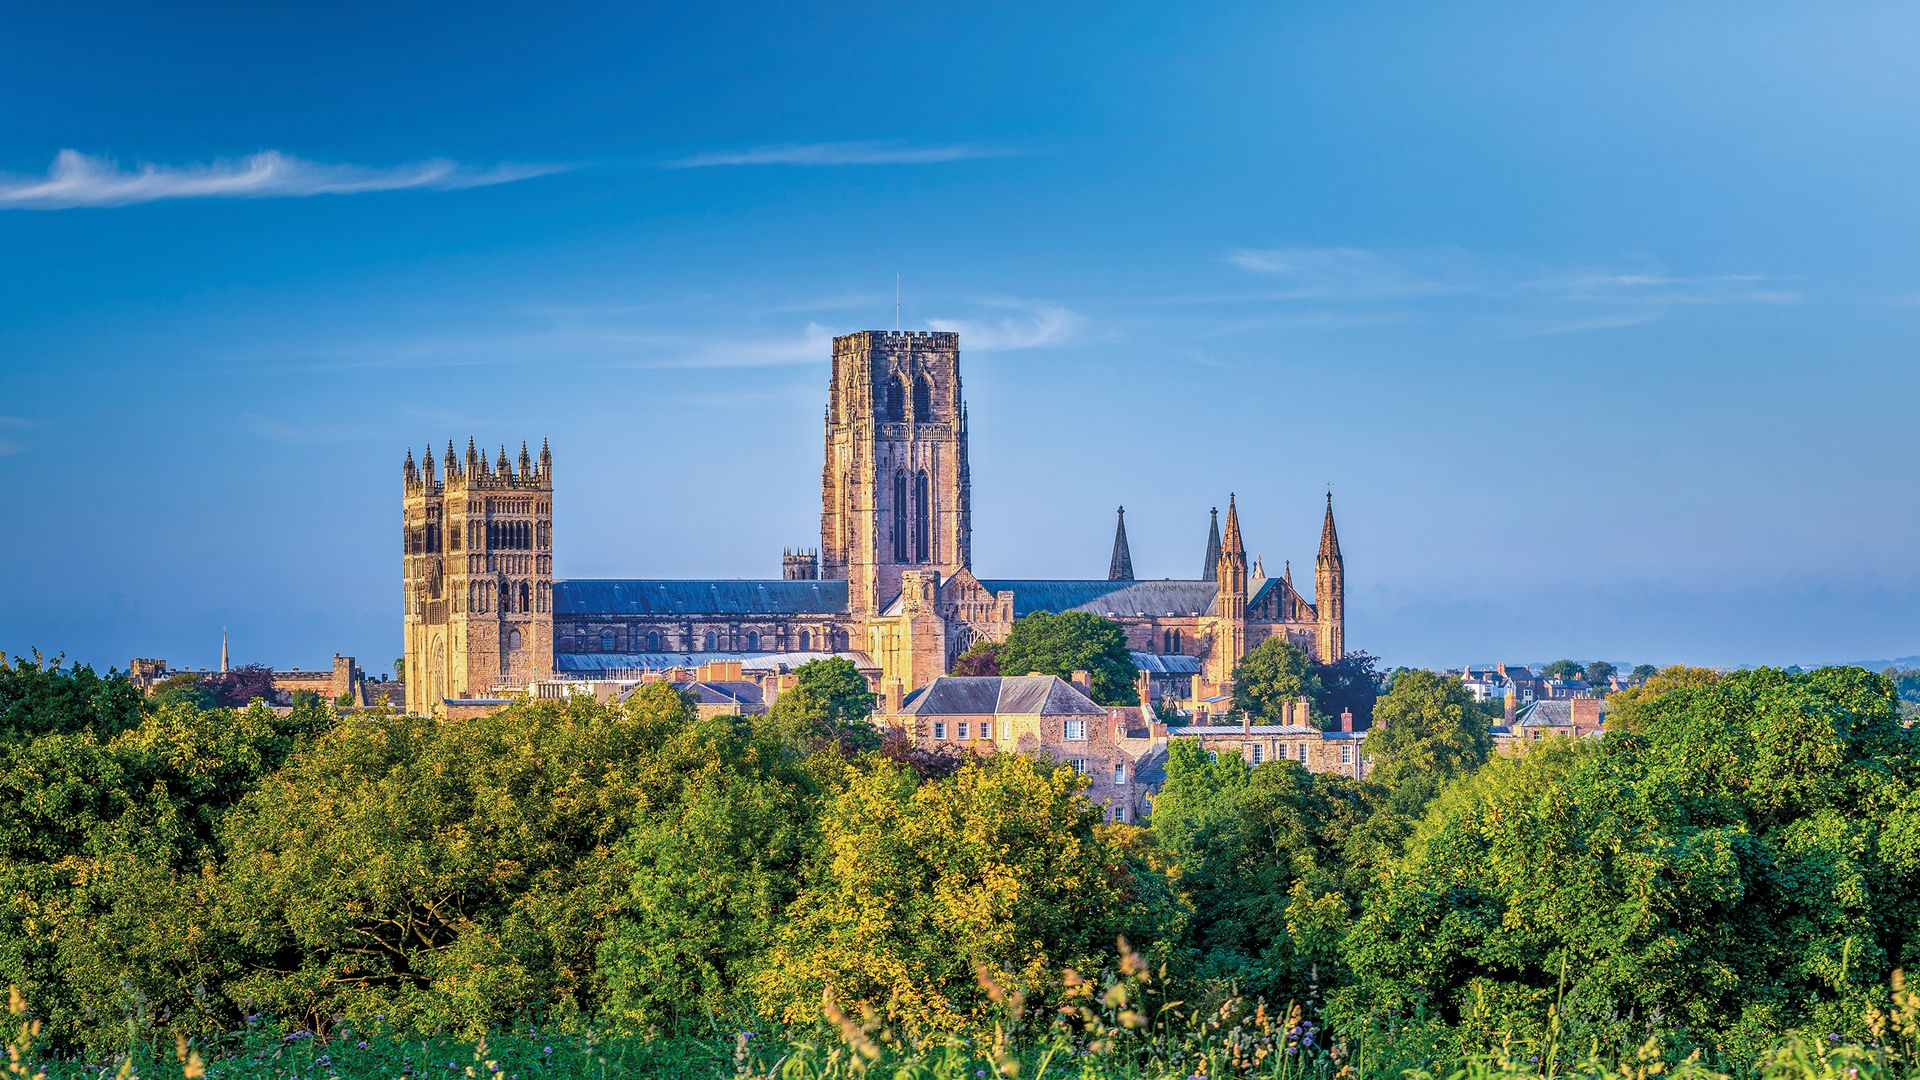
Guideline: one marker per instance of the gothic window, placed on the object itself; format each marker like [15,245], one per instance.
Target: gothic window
[653,641]
[606,641]
[900,517]
[506,598]
[1166,641]
[921,512]
[713,643]
[434,582]
[526,597]
[896,399]
[1176,641]
[753,641]
[922,400]
[514,641]
[806,641]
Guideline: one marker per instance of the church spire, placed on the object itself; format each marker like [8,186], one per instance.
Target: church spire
[1212,566]
[1120,567]
[1231,547]
[1330,539]
[223,650]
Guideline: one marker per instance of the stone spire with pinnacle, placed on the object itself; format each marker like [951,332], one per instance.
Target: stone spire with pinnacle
[223,650]
[1120,567]
[1330,593]
[1229,625]
[1212,566]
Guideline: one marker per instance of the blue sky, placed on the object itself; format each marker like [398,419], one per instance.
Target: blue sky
[1600,322]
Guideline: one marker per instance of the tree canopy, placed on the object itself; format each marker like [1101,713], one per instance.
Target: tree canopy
[1270,678]
[1047,644]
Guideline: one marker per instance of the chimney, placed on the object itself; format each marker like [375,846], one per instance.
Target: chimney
[1509,708]
[1083,681]
[1346,719]
[894,694]
[1246,723]
[1144,684]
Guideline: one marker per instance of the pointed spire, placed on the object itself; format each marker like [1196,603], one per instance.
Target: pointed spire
[546,458]
[1231,547]
[474,465]
[501,466]
[1289,575]
[1329,538]
[526,460]
[427,459]
[453,467]
[1212,566]
[408,470]
[223,650]
[1120,567]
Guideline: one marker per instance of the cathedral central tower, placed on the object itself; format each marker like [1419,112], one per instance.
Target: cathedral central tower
[894,487]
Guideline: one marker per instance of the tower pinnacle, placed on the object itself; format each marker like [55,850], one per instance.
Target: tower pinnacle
[1212,565]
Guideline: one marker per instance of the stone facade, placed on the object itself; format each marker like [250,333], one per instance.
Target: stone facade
[890,585]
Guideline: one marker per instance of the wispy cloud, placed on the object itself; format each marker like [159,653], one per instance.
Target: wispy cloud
[840,153]
[76,179]
[10,447]
[1661,288]
[1358,274]
[277,430]
[1037,324]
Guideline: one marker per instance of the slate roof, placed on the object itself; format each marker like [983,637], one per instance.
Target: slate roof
[1103,597]
[1166,663]
[1014,695]
[1260,729]
[601,663]
[718,597]
[1548,714]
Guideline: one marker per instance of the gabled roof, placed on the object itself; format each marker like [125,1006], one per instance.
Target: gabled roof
[998,695]
[718,597]
[1549,713]
[1104,597]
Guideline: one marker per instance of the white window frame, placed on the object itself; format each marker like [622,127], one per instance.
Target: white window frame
[1078,764]
[939,729]
[1074,730]
[1119,772]
[1006,729]
[1256,753]
[1346,753]
[964,728]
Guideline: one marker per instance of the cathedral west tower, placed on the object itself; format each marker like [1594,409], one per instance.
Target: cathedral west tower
[894,485]
[478,538]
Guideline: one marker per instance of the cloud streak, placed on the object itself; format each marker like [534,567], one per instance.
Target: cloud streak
[1037,324]
[839,153]
[79,180]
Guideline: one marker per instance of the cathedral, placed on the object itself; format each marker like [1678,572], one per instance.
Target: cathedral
[891,586]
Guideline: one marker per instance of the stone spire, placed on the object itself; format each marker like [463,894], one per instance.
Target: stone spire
[1231,546]
[546,461]
[526,461]
[1229,624]
[1330,594]
[502,468]
[408,471]
[453,467]
[223,650]
[1212,566]
[1120,567]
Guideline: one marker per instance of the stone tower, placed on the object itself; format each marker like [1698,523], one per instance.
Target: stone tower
[1230,603]
[894,486]
[1330,593]
[478,542]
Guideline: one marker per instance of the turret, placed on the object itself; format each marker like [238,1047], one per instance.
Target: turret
[1229,622]
[1231,567]
[501,468]
[453,467]
[427,474]
[1120,566]
[546,463]
[1330,593]
[526,462]
[408,473]
[474,468]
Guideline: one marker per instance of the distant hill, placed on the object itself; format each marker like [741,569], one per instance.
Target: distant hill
[1904,663]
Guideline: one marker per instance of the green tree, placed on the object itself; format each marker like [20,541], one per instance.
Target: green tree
[38,697]
[1426,731]
[1599,671]
[400,669]
[1255,853]
[1739,856]
[1562,669]
[1047,644]
[1002,865]
[1270,678]
[185,688]
[1352,683]
[828,704]
[982,658]
[1644,671]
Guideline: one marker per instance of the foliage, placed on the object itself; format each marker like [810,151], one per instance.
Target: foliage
[1426,731]
[1001,866]
[1739,856]
[982,658]
[1254,852]
[1644,671]
[1047,644]
[1270,678]
[829,704]
[38,697]
[242,685]
[1353,683]
[1562,669]
[1599,671]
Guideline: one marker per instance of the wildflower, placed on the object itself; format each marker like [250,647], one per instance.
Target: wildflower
[361,1045]
[547,1050]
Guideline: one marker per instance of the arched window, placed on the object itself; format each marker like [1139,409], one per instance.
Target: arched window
[1176,641]
[606,641]
[433,582]
[506,598]
[514,641]
[806,641]
[753,641]
[1166,641]
[713,643]
[653,641]
[896,399]
[922,400]
[922,530]
[526,597]
[900,516]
